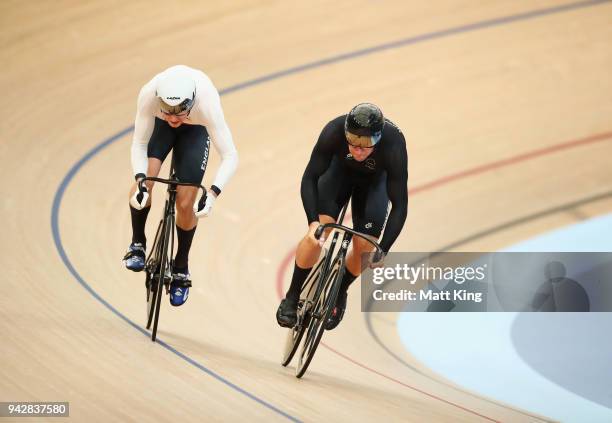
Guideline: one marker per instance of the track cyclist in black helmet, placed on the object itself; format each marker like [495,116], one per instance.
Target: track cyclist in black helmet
[360,153]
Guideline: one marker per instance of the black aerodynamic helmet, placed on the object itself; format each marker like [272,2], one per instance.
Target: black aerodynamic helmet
[364,125]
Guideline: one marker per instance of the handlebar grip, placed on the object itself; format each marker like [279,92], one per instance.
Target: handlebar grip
[202,201]
[319,232]
[377,255]
[142,189]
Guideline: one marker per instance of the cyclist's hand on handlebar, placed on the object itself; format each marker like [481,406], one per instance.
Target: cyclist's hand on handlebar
[311,233]
[377,259]
[141,195]
[203,207]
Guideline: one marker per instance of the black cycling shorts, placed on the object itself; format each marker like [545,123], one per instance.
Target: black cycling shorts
[369,203]
[190,144]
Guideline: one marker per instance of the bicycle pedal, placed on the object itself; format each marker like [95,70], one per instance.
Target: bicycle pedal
[300,320]
[167,277]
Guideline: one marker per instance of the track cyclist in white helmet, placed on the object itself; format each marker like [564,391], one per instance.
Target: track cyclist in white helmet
[180,110]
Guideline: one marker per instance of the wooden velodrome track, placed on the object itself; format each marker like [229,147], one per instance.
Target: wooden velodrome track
[507,109]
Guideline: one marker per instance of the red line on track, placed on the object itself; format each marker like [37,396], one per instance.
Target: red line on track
[434,184]
[405,384]
[509,161]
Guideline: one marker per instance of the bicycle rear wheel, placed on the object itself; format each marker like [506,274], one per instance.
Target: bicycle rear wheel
[294,335]
[320,313]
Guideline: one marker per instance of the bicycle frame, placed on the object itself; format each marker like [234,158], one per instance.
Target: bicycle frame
[327,264]
[159,267]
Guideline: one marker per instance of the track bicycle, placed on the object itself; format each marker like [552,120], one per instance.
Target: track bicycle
[158,265]
[318,295]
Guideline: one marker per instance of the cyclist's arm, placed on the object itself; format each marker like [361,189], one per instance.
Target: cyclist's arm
[143,128]
[222,140]
[320,158]
[397,191]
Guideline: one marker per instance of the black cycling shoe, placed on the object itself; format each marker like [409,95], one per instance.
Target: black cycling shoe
[286,315]
[338,312]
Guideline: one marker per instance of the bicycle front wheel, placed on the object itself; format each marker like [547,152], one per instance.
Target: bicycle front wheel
[152,274]
[294,335]
[164,270]
[321,311]
[150,297]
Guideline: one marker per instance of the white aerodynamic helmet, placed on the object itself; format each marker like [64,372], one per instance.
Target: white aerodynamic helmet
[176,91]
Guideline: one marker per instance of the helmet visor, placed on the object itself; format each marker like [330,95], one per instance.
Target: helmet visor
[179,109]
[363,141]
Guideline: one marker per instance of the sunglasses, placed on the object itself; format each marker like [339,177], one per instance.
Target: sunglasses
[362,141]
[180,110]
[180,115]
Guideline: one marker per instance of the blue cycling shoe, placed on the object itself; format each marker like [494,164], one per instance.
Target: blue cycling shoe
[134,259]
[179,288]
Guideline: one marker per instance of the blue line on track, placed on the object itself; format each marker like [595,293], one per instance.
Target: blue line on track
[57,200]
[413,40]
